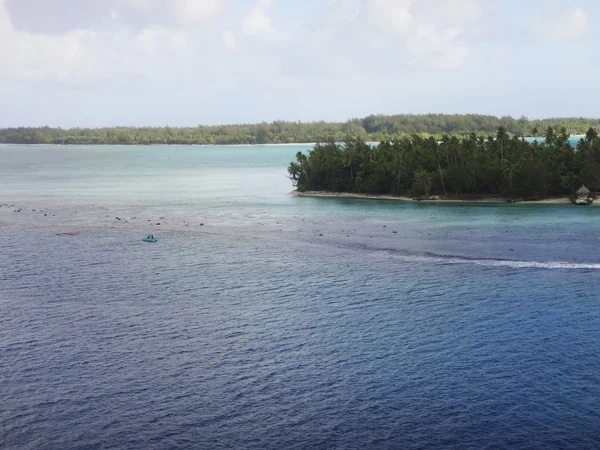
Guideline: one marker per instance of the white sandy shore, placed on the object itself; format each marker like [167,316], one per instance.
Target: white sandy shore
[487,201]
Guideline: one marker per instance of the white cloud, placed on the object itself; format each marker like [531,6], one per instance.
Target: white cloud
[143,4]
[5,22]
[114,54]
[34,56]
[196,11]
[576,25]
[158,42]
[467,10]
[71,57]
[229,39]
[343,10]
[573,26]
[337,44]
[431,30]
[258,24]
[391,16]
[89,55]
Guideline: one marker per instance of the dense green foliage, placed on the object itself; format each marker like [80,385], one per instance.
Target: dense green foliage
[373,128]
[415,166]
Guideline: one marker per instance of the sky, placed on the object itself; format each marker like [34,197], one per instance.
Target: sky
[93,63]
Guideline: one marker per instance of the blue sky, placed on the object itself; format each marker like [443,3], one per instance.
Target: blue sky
[187,62]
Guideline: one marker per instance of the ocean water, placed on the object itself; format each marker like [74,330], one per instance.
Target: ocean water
[263,320]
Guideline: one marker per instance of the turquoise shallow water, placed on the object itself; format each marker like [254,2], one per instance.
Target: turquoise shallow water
[284,322]
[574,140]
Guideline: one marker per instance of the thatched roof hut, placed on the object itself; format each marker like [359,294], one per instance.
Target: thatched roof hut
[583,191]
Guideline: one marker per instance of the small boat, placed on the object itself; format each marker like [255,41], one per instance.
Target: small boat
[150,239]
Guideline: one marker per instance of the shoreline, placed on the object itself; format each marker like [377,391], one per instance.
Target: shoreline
[299,144]
[287,144]
[561,201]
[295,144]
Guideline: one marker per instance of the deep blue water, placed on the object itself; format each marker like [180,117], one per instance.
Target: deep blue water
[402,326]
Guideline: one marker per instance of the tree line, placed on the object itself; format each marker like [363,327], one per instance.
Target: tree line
[499,165]
[372,128]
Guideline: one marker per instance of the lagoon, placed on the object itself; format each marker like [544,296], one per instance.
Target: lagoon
[283,322]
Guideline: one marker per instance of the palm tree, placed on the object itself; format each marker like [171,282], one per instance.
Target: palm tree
[563,136]
[349,160]
[501,136]
[510,171]
[298,169]
[301,158]
[497,165]
[398,172]
[368,153]
[550,136]
[423,181]
[294,170]
[591,135]
[437,157]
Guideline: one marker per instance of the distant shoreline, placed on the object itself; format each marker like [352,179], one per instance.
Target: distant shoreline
[297,144]
[3,144]
[488,201]
[287,144]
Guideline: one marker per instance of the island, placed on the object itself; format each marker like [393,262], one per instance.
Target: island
[373,128]
[496,169]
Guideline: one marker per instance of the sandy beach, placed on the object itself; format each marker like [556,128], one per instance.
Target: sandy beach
[486,201]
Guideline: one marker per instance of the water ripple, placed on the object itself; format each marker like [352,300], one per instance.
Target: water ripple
[195,344]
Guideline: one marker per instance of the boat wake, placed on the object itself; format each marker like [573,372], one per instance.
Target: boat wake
[561,265]
[433,258]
